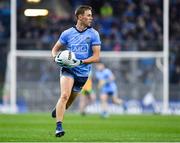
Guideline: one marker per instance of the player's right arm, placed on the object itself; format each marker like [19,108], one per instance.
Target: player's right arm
[56,48]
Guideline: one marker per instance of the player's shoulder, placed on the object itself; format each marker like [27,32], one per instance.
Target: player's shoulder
[69,30]
[107,71]
[93,30]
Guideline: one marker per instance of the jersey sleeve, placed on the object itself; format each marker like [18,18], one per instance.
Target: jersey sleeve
[96,38]
[63,38]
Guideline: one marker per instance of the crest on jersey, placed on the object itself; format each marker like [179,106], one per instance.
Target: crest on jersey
[88,39]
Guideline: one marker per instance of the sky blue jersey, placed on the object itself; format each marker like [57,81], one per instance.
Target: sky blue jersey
[110,85]
[80,42]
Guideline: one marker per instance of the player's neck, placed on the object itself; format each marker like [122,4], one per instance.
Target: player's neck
[80,27]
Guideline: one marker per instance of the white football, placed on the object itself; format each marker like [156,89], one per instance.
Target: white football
[67,57]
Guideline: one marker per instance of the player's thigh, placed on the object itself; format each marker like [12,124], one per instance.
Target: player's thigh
[115,98]
[92,96]
[82,98]
[66,84]
[103,97]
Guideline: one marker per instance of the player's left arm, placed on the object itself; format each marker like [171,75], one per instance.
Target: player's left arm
[96,47]
[95,57]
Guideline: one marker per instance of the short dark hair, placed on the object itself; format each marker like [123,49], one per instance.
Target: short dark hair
[81,9]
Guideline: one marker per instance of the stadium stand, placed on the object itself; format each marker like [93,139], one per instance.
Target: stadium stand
[129,26]
[4,39]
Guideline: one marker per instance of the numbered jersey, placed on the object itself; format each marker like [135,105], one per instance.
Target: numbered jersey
[81,43]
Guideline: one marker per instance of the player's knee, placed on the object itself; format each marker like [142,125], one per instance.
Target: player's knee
[103,97]
[64,97]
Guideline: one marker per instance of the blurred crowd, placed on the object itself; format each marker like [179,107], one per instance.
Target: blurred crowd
[4,37]
[124,25]
[174,63]
[4,19]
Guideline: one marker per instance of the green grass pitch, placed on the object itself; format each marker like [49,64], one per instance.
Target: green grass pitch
[91,128]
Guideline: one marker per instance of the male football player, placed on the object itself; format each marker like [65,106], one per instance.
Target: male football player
[85,42]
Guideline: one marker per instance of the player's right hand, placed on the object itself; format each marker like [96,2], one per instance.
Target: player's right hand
[59,61]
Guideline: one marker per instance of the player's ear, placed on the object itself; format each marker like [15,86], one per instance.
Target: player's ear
[79,16]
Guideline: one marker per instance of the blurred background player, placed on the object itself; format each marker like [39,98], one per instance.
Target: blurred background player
[107,87]
[87,96]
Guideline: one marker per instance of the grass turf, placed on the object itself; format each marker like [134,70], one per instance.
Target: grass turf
[91,128]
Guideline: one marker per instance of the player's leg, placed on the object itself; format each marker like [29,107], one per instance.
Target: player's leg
[104,104]
[53,113]
[82,102]
[115,98]
[66,84]
[68,104]
[71,99]
[78,84]
[92,96]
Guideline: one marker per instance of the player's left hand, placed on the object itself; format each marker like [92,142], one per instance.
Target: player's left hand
[75,63]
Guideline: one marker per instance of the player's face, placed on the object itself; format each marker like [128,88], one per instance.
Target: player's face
[87,18]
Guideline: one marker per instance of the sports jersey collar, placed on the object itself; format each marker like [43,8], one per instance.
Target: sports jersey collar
[81,31]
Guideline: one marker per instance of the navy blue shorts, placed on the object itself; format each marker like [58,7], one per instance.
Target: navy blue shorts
[78,81]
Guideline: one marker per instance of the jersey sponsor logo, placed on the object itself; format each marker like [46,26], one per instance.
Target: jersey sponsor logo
[79,48]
